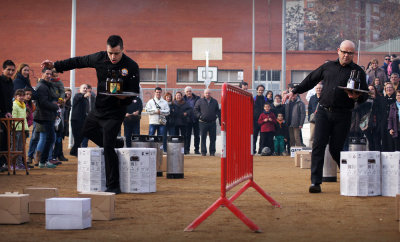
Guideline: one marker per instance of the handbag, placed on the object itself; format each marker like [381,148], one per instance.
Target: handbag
[161,118]
[365,120]
[312,116]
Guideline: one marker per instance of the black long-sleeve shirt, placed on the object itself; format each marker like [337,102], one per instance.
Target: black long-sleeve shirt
[334,75]
[107,106]
[6,95]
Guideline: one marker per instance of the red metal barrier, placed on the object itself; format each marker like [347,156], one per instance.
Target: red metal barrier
[237,153]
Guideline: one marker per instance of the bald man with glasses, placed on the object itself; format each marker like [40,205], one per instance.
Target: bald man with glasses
[333,117]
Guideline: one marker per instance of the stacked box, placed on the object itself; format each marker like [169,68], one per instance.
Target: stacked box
[103,204]
[295,149]
[390,173]
[138,170]
[91,170]
[37,197]
[305,161]
[298,156]
[68,213]
[14,208]
[360,173]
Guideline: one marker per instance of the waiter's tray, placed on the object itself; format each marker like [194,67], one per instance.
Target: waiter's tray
[125,94]
[354,90]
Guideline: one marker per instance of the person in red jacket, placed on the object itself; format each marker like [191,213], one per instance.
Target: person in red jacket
[267,122]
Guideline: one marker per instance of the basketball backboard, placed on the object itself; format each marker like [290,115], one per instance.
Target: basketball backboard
[212,45]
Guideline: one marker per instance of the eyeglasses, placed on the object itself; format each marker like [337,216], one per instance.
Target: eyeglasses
[346,52]
[387,58]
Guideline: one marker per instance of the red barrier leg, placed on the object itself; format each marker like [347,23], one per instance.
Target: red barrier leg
[204,215]
[264,194]
[242,217]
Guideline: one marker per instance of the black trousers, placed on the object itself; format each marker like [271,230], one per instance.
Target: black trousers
[104,132]
[332,128]
[267,140]
[256,131]
[211,129]
[195,127]
[77,126]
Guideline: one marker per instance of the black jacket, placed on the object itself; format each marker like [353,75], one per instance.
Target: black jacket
[46,108]
[107,106]
[192,102]
[258,107]
[6,95]
[207,112]
[281,130]
[180,108]
[334,75]
[278,109]
[136,105]
[21,82]
[80,107]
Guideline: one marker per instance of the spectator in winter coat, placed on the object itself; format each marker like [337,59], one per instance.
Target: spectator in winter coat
[281,135]
[376,72]
[277,106]
[267,121]
[393,122]
[193,123]
[295,116]
[258,108]
[21,79]
[183,112]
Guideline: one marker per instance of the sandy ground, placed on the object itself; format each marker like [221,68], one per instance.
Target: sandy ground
[162,216]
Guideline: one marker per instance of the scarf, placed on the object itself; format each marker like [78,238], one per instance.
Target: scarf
[20,104]
[280,123]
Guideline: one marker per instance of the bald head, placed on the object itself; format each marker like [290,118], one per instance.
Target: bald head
[207,93]
[346,52]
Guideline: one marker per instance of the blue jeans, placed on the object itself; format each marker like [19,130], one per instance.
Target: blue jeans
[85,142]
[131,128]
[161,131]
[34,141]
[46,140]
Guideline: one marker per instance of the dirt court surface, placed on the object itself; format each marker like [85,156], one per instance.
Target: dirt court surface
[162,216]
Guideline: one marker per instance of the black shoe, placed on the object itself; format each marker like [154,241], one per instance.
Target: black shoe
[203,154]
[62,158]
[119,143]
[114,190]
[315,188]
[212,154]
[197,152]
[186,152]
[73,152]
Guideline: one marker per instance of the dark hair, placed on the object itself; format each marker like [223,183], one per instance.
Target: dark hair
[115,40]
[280,114]
[8,63]
[267,104]
[268,92]
[387,56]
[243,84]
[260,86]
[157,88]
[89,86]
[394,55]
[27,89]
[46,69]
[19,92]
[278,95]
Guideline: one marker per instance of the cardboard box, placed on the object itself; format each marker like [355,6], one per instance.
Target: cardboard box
[103,204]
[14,208]
[68,213]
[297,156]
[294,149]
[91,175]
[37,197]
[390,173]
[138,170]
[305,161]
[360,173]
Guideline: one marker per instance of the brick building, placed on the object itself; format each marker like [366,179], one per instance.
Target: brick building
[158,35]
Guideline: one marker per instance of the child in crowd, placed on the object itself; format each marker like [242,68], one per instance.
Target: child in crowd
[267,122]
[281,135]
[19,111]
[30,106]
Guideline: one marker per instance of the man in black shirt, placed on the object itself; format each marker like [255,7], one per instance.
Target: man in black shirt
[333,118]
[103,123]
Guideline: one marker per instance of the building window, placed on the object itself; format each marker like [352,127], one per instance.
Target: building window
[230,76]
[375,8]
[310,4]
[270,79]
[186,75]
[298,76]
[151,75]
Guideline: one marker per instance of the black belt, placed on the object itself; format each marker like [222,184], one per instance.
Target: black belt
[336,110]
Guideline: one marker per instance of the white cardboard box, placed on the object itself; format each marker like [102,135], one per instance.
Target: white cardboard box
[305,161]
[390,173]
[68,213]
[294,149]
[137,169]
[360,173]
[91,170]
